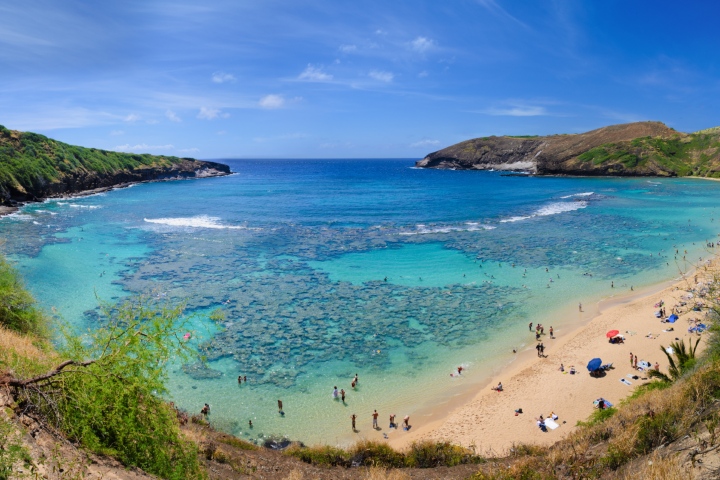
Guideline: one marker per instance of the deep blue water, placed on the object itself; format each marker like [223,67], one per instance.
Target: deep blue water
[325,268]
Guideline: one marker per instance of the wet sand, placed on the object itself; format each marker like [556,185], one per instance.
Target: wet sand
[487,421]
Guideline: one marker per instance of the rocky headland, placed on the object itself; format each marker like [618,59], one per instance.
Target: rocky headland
[34,167]
[632,149]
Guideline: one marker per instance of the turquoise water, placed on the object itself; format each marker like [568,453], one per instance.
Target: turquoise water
[328,268]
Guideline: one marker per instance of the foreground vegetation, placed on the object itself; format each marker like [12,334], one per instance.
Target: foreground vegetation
[101,389]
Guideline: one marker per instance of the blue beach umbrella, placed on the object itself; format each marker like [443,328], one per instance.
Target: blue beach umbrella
[672,318]
[594,364]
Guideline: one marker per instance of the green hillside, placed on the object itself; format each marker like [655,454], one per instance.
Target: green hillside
[34,166]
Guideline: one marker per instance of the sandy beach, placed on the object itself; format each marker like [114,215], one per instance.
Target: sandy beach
[536,385]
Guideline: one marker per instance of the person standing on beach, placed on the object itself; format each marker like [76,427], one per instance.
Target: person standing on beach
[352,419]
[551,332]
[375,417]
[530,326]
[542,349]
[537,347]
[342,395]
[335,392]
[635,363]
[280,406]
[356,380]
[580,307]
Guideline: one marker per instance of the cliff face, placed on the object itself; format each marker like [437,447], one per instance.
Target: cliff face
[33,167]
[634,149]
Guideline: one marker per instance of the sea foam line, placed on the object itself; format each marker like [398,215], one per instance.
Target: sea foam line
[198,221]
[422,229]
[551,209]
[584,194]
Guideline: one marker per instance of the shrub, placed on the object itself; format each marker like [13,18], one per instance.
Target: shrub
[18,311]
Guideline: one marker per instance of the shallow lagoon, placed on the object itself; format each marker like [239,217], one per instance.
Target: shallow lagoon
[328,268]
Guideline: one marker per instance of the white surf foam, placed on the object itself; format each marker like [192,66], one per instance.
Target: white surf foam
[422,229]
[198,221]
[89,207]
[550,209]
[21,217]
[584,194]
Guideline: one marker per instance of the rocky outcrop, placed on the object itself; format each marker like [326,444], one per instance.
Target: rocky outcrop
[577,154]
[84,182]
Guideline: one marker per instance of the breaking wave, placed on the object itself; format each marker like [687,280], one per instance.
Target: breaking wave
[198,221]
[551,209]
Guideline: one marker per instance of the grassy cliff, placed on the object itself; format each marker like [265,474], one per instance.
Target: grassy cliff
[633,149]
[33,166]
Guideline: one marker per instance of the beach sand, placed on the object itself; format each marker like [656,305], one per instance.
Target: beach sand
[488,422]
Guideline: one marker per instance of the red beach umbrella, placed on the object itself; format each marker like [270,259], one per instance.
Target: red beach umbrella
[612,333]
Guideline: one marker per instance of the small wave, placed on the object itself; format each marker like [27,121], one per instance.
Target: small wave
[551,209]
[198,221]
[422,229]
[21,217]
[584,194]
[89,207]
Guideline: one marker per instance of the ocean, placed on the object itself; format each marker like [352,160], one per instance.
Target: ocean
[324,269]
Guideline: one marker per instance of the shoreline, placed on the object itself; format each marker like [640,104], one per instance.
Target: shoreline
[10,209]
[485,419]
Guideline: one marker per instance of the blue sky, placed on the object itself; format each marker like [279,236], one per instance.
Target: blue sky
[335,78]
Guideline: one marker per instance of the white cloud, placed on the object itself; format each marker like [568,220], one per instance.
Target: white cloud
[172,116]
[222,77]
[142,147]
[422,44]
[132,118]
[517,111]
[211,113]
[348,48]
[115,133]
[272,101]
[314,74]
[423,74]
[381,76]
[425,143]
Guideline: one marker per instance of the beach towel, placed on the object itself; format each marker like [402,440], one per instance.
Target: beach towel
[551,424]
[625,381]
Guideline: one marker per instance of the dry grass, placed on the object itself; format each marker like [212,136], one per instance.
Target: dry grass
[377,473]
[659,468]
[22,355]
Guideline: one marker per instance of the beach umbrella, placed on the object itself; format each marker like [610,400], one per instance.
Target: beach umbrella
[594,364]
[612,333]
[672,318]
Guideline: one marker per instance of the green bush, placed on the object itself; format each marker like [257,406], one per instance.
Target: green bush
[18,311]
[112,405]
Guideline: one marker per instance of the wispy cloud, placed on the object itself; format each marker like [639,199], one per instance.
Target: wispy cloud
[422,44]
[493,7]
[132,118]
[348,48]
[517,111]
[314,74]
[211,113]
[425,143]
[222,77]
[116,133]
[272,101]
[142,147]
[172,116]
[381,76]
